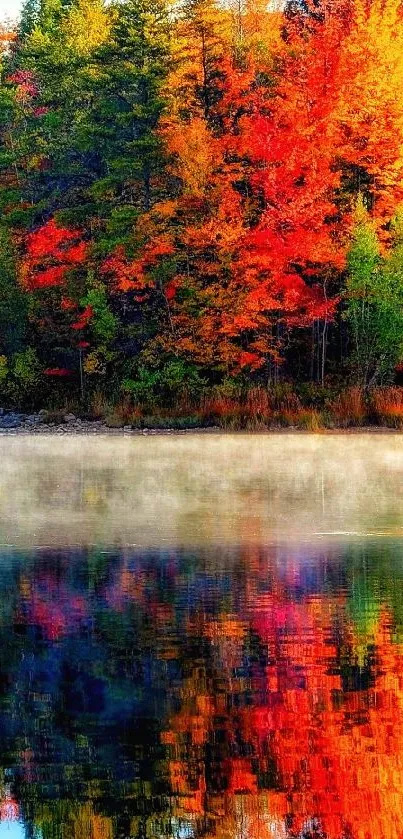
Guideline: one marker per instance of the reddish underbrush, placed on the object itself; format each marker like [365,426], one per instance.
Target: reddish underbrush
[387,406]
[349,407]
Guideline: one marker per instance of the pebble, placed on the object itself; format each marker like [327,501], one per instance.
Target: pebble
[12,422]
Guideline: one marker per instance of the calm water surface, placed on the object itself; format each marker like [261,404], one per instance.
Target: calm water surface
[201,637]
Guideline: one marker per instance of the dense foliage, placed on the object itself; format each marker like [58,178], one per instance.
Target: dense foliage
[199,196]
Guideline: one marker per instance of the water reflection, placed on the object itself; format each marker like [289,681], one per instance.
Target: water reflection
[244,692]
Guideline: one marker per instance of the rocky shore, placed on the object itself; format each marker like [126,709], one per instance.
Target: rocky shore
[42,423]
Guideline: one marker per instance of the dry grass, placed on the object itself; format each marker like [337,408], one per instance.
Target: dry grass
[260,409]
[283,399]
[222,410]
[349,408]
[257,403]
[258,414]
[310,419]
[99,406]
[123,414]
[387,406]
[253,413]
[307,418]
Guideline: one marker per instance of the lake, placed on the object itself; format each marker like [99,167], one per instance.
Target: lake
[201,636]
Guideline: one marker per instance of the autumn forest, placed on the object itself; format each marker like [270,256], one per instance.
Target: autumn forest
[202,210]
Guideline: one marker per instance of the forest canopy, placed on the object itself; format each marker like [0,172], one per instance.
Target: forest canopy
[200,195]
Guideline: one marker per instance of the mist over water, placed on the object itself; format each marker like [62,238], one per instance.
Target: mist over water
[198,489]
[201,637]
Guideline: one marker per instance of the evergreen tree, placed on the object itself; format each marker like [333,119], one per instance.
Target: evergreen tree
[13,302]
[123,120]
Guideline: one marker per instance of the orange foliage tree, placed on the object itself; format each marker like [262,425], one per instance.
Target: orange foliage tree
[253,244]
[370,107]
[51,271]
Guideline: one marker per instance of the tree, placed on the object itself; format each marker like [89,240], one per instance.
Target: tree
[53,273]
[53,72]
[370,109]
[206,160]
[294,251]
[128,103]
[180,268]
[13,302]
[374,301]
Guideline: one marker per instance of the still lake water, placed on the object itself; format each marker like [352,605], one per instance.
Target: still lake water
[201,636]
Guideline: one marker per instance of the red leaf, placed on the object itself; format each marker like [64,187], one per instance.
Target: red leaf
[57,371]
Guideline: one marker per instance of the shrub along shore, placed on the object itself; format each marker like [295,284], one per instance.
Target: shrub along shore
[310,408]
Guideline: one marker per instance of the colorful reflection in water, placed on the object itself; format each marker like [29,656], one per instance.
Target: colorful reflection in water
[239,694]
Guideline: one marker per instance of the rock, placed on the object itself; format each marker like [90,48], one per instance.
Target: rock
[10,421]
[127,428]
[113,422]
[43,415]
[70,418]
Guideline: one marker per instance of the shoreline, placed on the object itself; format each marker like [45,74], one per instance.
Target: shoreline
[88,428]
